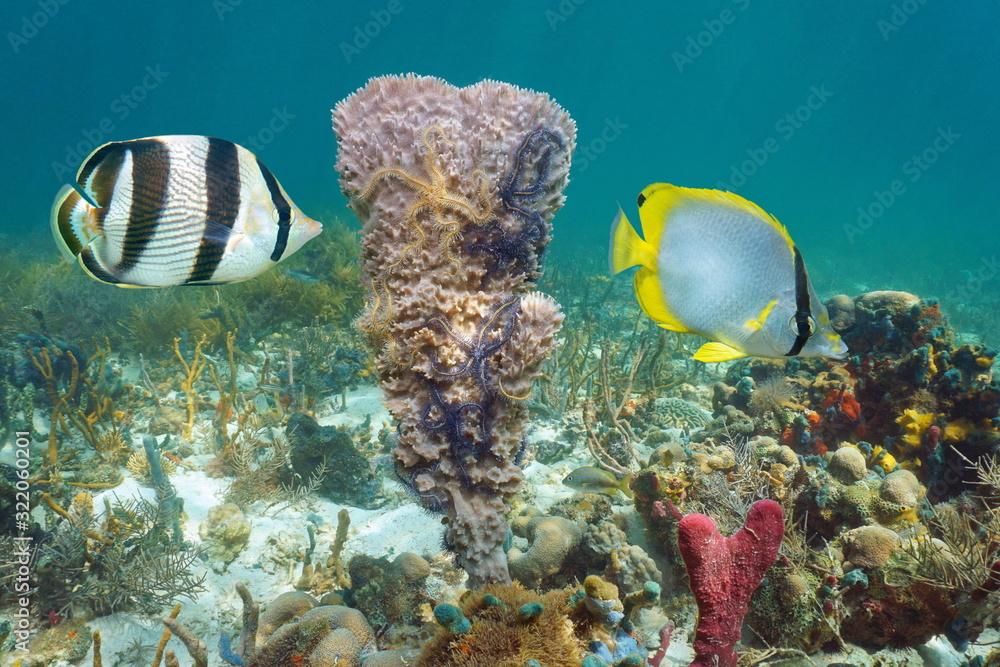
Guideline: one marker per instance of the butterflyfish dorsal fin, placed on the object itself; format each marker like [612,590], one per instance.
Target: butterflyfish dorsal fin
[659,200]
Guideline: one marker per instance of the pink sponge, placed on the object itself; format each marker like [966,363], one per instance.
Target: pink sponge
[724,572]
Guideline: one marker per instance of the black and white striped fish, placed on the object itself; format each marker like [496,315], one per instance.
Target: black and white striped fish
[177,210]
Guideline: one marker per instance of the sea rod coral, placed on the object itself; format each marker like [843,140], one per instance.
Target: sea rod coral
[456,189]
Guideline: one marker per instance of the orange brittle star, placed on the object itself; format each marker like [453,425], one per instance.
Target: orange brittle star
[377,318]
[433,195]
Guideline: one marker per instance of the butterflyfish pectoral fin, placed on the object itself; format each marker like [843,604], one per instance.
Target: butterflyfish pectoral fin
[754,325]
[715,352]
[628,249]
[649,294]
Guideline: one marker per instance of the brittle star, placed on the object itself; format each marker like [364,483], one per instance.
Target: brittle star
[433,194]
[521,248]
[479,348]
[451,424]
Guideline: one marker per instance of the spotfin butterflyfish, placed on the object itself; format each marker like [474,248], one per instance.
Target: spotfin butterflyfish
[176,210]
[714,264]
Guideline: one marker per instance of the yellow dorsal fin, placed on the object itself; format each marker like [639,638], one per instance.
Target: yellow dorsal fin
[657,201]
[649,294]
[628,249]
[715,352]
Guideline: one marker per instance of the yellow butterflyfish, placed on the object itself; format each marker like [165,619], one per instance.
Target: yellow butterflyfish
[714,264]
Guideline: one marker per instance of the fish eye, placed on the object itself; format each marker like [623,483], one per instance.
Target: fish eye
[794,326]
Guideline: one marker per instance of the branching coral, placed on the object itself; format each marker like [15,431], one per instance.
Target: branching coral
[192,371]
[461,338]
[125,559]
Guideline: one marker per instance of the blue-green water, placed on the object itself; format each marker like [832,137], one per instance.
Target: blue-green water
[869,128]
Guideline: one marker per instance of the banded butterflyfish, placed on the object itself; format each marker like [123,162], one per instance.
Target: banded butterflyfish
[176,210]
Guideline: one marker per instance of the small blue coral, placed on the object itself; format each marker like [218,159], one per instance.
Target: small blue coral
[452,618]
[226,651]
[530,611]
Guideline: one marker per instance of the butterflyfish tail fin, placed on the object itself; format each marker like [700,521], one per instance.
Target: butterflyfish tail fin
[628,249]
[72,222]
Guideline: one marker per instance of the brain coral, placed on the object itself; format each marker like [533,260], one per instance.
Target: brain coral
[552,538]
[674,412]
[869,546]
[848,465]
[456,189]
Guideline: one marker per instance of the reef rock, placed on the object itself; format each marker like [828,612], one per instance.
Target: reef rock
[226,531]
[348,478]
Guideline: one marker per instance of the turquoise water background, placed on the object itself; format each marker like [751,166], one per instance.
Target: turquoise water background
[869,128]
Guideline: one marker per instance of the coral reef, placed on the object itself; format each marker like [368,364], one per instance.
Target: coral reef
[551,539]
[388,592]
[294,629]
[322,576]
[125,558]
[456,189]
[509,626]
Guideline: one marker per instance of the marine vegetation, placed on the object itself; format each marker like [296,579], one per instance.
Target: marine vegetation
[124,558]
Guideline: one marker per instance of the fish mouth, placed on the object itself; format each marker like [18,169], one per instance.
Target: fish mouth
[313,228]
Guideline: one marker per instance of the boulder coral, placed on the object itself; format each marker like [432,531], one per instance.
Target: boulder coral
[225,532]
[294,629]
[551,538]
[456,189]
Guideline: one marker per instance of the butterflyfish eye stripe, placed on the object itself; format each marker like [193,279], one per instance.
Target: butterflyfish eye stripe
[284,212]
[222,189]
[802,309]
